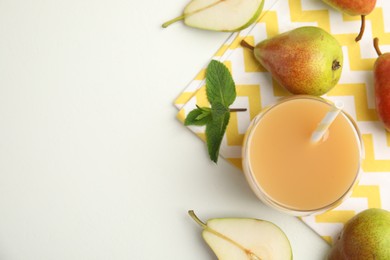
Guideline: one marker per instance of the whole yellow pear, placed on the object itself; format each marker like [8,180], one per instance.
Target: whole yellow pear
[307,60]
[365,237]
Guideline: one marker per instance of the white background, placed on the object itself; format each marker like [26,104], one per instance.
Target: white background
[93,163]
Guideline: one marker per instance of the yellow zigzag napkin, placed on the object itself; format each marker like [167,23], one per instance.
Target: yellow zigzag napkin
[256,90]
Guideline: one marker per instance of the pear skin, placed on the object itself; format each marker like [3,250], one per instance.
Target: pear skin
[306,60]
[353,7]
[365,237]
[382,85]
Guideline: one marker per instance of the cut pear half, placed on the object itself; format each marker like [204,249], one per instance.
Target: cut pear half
[245,239]
[220,15]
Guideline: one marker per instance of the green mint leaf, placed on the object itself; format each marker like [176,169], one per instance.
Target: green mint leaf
[220,86]
[218,109]
[199,117]
[215,129]
[221,93]
[205,112]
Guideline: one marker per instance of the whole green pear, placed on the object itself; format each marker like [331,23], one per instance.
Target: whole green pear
[306,60]
[365,237]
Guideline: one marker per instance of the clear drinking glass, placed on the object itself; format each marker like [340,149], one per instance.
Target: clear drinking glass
[288,172]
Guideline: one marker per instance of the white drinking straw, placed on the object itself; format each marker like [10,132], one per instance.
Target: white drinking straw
[326,122]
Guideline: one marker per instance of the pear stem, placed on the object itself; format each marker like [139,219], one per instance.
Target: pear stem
[196,219]
[250,254]
[362,27]
[166,24]
[245,44]
[376,46]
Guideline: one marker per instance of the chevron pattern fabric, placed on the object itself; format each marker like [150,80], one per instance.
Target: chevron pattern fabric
[256,89]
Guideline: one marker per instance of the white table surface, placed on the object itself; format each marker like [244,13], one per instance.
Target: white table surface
[93,163]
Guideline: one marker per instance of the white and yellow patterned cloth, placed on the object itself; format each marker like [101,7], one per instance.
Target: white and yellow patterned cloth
[256,89]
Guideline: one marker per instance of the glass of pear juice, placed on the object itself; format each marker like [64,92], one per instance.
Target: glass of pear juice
[291,173]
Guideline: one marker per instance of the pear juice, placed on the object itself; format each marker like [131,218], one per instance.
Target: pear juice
[288,171]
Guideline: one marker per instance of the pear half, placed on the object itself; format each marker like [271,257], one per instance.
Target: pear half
[245,239]
[220,15]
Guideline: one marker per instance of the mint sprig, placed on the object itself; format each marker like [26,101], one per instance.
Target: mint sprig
[221,93]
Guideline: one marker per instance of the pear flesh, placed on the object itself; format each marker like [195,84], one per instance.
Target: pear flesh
[306,60]
[366,236]
[245,239]
[220,15]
